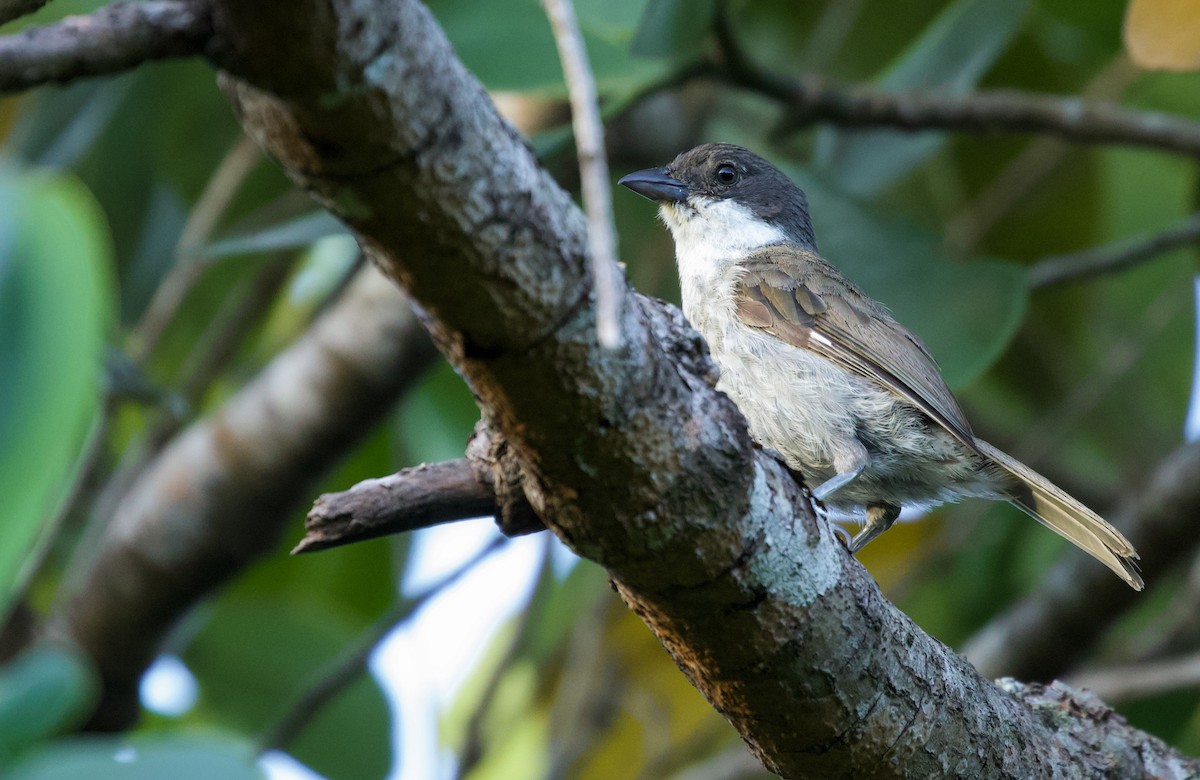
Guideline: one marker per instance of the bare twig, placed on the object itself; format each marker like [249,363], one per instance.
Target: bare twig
[15,9]
[413,498]
[229,327]
[343,671]
[1114,257]
[1142,680]
[593,169]
[473,743]
[812,98]
[188,267]
[115,38]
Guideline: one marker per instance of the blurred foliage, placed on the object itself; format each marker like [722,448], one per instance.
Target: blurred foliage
[101,182]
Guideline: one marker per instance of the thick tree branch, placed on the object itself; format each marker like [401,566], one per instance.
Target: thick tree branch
[115,38]
[220,494]
[631,456]
[1044,634]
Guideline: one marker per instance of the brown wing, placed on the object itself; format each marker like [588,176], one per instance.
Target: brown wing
[798,297]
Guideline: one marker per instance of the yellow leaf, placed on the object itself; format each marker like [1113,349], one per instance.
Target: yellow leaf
[1164,34]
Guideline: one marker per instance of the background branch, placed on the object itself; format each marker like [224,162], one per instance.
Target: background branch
[342,671]
[15,9]
[813,98]
[1141,680]
[1114,257]
[1045,633]
[115,38]
[219,495]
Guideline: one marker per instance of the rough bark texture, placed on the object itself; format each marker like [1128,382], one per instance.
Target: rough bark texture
[629,455]
[410,499]
[219,495]
[115,38]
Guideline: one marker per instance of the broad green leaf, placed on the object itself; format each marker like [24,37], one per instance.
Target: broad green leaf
[438,417]
[966,312]
[42,692]
[254,657]
[55,311]
[612,21]
[674,28]
[177,757]
[510,47]
[955,51]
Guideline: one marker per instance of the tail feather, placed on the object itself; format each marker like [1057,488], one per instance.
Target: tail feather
[1053,508]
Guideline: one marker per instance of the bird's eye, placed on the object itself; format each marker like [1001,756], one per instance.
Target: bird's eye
[726,174]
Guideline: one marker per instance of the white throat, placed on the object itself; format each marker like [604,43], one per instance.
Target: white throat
[711,237]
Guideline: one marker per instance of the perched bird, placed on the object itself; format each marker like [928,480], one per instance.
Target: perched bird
[824,375]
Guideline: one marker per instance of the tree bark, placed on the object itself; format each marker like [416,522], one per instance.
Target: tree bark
[629,455]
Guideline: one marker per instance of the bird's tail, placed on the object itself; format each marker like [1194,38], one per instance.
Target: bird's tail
[1053,508]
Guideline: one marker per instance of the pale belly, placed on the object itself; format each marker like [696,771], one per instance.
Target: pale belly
[822,419]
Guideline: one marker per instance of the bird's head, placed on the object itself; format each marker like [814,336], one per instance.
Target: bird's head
[724,194]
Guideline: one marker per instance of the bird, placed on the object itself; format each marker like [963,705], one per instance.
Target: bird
[824,375]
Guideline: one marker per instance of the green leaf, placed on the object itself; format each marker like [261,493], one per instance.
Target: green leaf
[42,692]
[55,310]
[145,758]
[292,234]
[965,312]
[511,47]
[255,657]
[674,28]
[953,54]
[438,417]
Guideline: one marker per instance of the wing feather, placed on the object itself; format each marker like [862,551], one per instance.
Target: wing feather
[796,296]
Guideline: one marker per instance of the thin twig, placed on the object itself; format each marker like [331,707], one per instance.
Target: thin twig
[473,744]
[1114,257]
[812,98]
[416,497]
[1139,681]
[15,9]
[224,184]
[238,314]
[593,169]
[343,671]
[116,38]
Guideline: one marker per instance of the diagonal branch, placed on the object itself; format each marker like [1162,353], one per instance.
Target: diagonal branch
[219,495]
[812,98]
[1113,257]
[115,38]
[630,455]
[15,9]
[1044,634]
